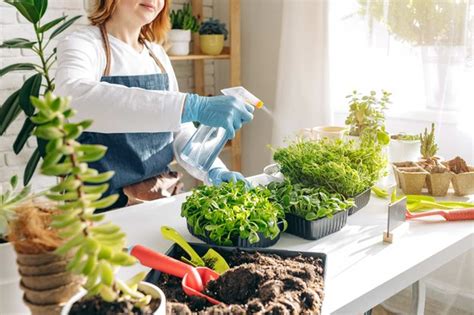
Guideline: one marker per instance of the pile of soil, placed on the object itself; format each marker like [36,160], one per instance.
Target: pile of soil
[96,306]
[256,284]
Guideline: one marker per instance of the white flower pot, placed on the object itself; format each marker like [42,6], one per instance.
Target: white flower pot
[179,41]
[145,287]
[404,150]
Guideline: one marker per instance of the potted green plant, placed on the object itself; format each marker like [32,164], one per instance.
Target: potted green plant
[439,176]
[233,215]
[311,212]
[366,118]
[33,11]
[69,244]
[182,24]
[404,147]
[213,33]
[463,176]
[338,166]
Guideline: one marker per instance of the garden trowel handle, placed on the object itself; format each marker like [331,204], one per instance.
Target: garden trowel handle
[163,263]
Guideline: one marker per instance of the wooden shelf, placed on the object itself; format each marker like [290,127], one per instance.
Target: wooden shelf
[224,55]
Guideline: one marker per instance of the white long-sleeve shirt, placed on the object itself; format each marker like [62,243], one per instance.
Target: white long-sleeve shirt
[115,108]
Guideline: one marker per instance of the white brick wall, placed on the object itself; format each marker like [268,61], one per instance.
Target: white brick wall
[13,25]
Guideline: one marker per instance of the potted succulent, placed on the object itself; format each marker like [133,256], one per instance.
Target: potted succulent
[62,244]
[404,147]
[233,215]
[439,176]
[182,24]
[33,11]
[213,33]
[463,176]
[366,118]
[311,212]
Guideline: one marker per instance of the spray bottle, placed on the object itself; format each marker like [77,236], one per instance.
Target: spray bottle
[206,143]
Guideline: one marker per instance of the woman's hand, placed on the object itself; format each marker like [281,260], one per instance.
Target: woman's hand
[220,175]
[223,111]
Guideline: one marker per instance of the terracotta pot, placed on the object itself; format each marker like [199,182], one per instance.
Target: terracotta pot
[411,179]
[51,281]
[51,296]
[438,183]
[144,287]
[463,183]
[47,309]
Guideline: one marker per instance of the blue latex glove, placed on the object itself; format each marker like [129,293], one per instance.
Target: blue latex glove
[223,111]
[220,175]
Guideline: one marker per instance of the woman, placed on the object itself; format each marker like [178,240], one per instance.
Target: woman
[119,76]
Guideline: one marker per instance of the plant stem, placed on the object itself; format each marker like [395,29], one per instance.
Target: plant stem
[40,52]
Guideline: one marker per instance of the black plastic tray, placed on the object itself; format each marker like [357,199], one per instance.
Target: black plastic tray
[314,230]
[176,252]
[360,200]
[239,242]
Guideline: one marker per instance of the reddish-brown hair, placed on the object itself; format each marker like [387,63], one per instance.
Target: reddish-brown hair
[155,31]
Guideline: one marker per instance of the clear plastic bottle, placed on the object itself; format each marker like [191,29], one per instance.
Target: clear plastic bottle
[206,143]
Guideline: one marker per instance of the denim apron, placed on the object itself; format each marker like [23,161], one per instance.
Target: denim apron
[134,157]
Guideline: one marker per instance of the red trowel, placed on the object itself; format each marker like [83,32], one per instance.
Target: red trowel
[194,279]
[451,215]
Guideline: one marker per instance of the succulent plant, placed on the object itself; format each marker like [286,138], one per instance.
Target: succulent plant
[97,247]
[428,146]
[8,201]
[213,27]
[183,19]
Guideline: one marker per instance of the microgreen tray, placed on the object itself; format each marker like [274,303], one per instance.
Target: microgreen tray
[360,200]
[316,229]
[242,243]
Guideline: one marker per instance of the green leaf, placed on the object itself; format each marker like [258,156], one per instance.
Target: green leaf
[95,189]
[31,166]
[17,67]
[26,8]
[64,26]
[51,24]
[14,182]
[41,6]
[23,136]
[105,202]
[48,133]
[98,179]
[9,111]
[57,169]
[31,87]
[17,43]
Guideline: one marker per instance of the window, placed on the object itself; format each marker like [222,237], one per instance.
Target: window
[419,50]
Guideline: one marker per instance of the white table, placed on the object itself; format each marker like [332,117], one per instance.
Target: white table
[361,271]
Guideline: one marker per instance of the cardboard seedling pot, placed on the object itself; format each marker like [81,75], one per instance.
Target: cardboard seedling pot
[46,309]
[38,259]
[51,281]
[42,270]
[463,183]
[57,295]
[412,179]
[438,183]
[396,165]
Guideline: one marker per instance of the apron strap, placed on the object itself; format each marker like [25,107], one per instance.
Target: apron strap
[108,55]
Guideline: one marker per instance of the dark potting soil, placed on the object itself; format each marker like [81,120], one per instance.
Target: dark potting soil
[256,284]
[96,306]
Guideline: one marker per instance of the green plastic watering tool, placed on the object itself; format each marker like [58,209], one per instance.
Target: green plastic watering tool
[211,259]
